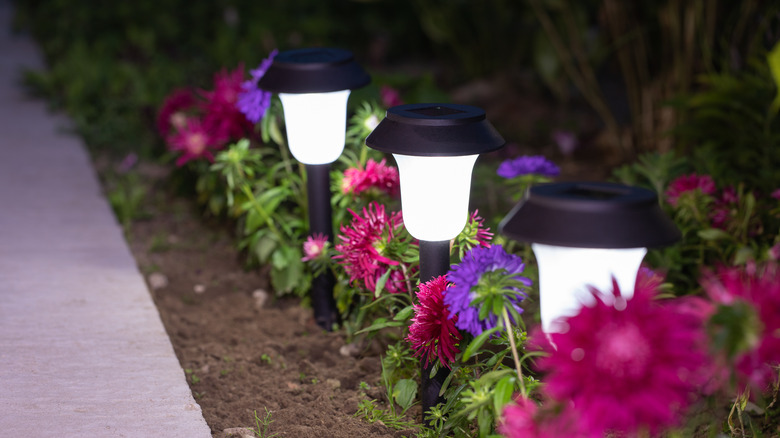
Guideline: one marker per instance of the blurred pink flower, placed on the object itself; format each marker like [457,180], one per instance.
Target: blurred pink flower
[776,194]
[689,183]
[375,176]
[724,207]
[759,287]
[173,112]
[433,334]
[390,96]
[524,419]
[626,367]
[774,252]
[194,141]
[566,141]
[314,246]
[362,246]
[222,117]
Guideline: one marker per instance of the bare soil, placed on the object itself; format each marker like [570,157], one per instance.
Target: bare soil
[241,357]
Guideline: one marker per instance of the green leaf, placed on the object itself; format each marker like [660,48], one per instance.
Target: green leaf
[502,394]
[713,234]
[380,284]
[773,58]
[404,314]
[404,393]
[477,343]
[379,324]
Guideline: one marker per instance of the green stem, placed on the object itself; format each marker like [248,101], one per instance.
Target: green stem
[511,335]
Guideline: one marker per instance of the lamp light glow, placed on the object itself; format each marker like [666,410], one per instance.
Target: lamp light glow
[316,125]
[584,235]
[435,194]
[435,147]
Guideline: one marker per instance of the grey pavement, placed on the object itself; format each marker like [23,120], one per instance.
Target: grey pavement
[83,352]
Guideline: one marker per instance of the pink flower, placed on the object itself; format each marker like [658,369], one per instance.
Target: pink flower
[390,96]
[759,288]
[474,234]
[375,176]
[627,366]
[524,419]
[433,334]
[724,208]
[173,110]
[193,140]
[314,246]
[223,118]
[774,252]
[689,183]
[776,194]
[567,141]
[363,245]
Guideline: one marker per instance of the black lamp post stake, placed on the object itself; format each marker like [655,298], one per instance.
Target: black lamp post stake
[314,85]
[434,262]
[321,222]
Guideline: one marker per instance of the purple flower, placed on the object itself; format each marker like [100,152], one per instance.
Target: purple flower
[252,101]
[528,164]
[484,274]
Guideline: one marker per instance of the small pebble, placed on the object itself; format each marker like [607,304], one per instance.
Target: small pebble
[157,280]
[239,432]
[351,350]
[199,288]
[333,383]
[261,297]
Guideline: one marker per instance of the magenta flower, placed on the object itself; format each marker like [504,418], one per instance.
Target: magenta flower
[724,208]
[314,247]
[493,268]
[433,334]
[774,252]
[252,101]
[476,231]
[194,141]
[687,184]
[524,419]
[222,117]
[528,165]
[567,141]
[363,245]
[377,176]
[626,367]
[758,288]
[776,194]
[390,96]
[173,112]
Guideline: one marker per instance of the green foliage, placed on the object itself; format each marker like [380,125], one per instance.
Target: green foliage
[110,67]
[126,193]
[732,132]
[264,189]
[261,426]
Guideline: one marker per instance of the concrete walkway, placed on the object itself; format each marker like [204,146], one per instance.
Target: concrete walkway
[83,352]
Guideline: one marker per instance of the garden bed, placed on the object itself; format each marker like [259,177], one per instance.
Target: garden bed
[240,357]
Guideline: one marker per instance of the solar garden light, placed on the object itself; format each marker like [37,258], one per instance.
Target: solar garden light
[435,147]
[314,85]
[583,234]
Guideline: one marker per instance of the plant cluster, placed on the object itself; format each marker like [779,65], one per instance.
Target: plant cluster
[648,365]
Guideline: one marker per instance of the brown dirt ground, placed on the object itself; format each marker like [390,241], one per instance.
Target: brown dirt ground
[240,358]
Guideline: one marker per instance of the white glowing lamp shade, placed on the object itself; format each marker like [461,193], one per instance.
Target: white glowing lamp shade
[316,125]
[435,194]
[566,276]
